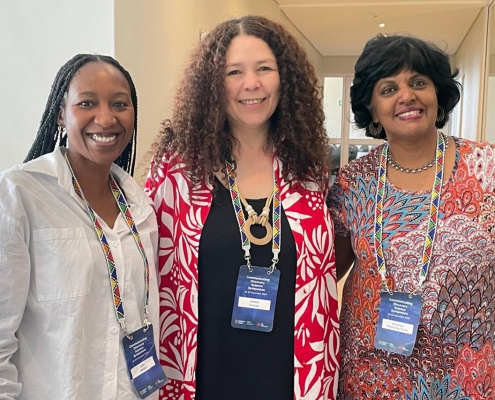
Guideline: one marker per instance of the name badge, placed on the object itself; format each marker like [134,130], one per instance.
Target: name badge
[255,299]
[145,370]
[398,322]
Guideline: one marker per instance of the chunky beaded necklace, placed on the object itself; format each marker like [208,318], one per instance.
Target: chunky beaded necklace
[430,164]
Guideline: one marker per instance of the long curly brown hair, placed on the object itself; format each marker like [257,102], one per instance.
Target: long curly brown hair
[199,131]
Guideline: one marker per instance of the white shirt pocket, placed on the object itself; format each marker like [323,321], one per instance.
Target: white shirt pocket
[63,264]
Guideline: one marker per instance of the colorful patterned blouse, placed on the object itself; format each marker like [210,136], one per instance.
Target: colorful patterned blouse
[454,353]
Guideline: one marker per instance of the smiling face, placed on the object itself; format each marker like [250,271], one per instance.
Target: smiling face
[405,104]
[253,84]
[98,114]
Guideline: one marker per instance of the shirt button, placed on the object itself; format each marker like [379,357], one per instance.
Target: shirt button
[114,330]
[114,243]
[110,376]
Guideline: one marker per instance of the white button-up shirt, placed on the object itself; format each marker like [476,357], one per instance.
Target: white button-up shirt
[59,336]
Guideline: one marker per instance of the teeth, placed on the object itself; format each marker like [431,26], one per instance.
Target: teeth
[254,101]
[103,139]
[406,114]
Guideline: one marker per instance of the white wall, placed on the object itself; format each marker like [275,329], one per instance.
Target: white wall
[36,38]
[470,59]
[154,39]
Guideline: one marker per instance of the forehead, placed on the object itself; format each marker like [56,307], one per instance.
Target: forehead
[97,77]
[247,46]
[405,73]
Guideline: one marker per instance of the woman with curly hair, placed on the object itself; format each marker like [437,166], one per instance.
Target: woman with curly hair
[248,283]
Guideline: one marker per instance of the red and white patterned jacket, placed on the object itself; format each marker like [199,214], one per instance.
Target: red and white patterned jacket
[181,214]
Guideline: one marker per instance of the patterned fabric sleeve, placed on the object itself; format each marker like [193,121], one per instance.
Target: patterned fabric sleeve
[152,183]
[335,203]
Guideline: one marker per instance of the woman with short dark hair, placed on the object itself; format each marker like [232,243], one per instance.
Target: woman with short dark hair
[416,216]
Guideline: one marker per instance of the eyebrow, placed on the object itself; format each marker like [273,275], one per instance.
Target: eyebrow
[116,94]
[391,80]
[238,64]
[384,82]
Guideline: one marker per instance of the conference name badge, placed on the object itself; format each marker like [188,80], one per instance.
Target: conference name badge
[398,322]
[145,370]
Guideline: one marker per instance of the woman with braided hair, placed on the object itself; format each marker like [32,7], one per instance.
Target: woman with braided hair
[248,288]
[78,246]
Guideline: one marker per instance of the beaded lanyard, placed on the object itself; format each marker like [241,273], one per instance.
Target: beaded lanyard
[112,270]
[277,229]
[432,217]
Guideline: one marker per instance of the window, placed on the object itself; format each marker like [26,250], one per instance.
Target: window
[348,141]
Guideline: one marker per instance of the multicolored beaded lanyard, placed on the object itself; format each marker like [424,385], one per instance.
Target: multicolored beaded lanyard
[431,228]
[112,270]
[276,207]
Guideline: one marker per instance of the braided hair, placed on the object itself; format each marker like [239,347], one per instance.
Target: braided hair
[49,133]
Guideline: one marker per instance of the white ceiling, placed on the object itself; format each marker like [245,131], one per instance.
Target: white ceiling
[341,28]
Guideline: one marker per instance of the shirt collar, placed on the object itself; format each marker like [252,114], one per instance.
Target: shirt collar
[54,164]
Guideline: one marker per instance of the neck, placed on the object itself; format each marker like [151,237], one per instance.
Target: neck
[250,141]
[413,153]
[92,178]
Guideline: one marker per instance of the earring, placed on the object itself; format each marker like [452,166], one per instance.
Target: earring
[440,114]
[375,130]
[61,132]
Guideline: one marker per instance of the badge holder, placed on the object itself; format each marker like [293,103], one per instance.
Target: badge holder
[398,321]
[255,298]
[145,370]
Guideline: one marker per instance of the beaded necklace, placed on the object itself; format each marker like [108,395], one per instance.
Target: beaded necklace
[432,217]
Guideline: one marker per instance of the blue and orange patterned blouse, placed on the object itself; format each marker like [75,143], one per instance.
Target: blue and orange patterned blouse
[454,353]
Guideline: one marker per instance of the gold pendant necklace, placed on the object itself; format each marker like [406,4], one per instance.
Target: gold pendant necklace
[255,219]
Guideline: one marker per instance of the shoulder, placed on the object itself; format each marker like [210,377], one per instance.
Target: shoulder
[18,188]
[50,166]
[22,175]
[159,175]
[10,181]
[473,148]
[477,159]
[365,167]
[367,162]
[11,174]
[309,184]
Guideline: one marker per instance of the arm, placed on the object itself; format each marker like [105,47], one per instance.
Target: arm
[14,286]
[344,255]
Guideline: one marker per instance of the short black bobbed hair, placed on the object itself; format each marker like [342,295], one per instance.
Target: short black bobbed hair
[48,135]
[385,56]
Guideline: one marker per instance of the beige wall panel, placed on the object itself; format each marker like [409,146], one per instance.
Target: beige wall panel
[470,59]
[153,39]
[336,65]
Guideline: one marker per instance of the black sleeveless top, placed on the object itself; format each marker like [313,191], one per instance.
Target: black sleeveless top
[236,363]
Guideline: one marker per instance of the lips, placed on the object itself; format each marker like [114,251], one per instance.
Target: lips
[103,138]
[251,101]
[410,113]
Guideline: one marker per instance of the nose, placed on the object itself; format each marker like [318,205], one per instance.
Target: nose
[407,94]
[105,116]
[251,81]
